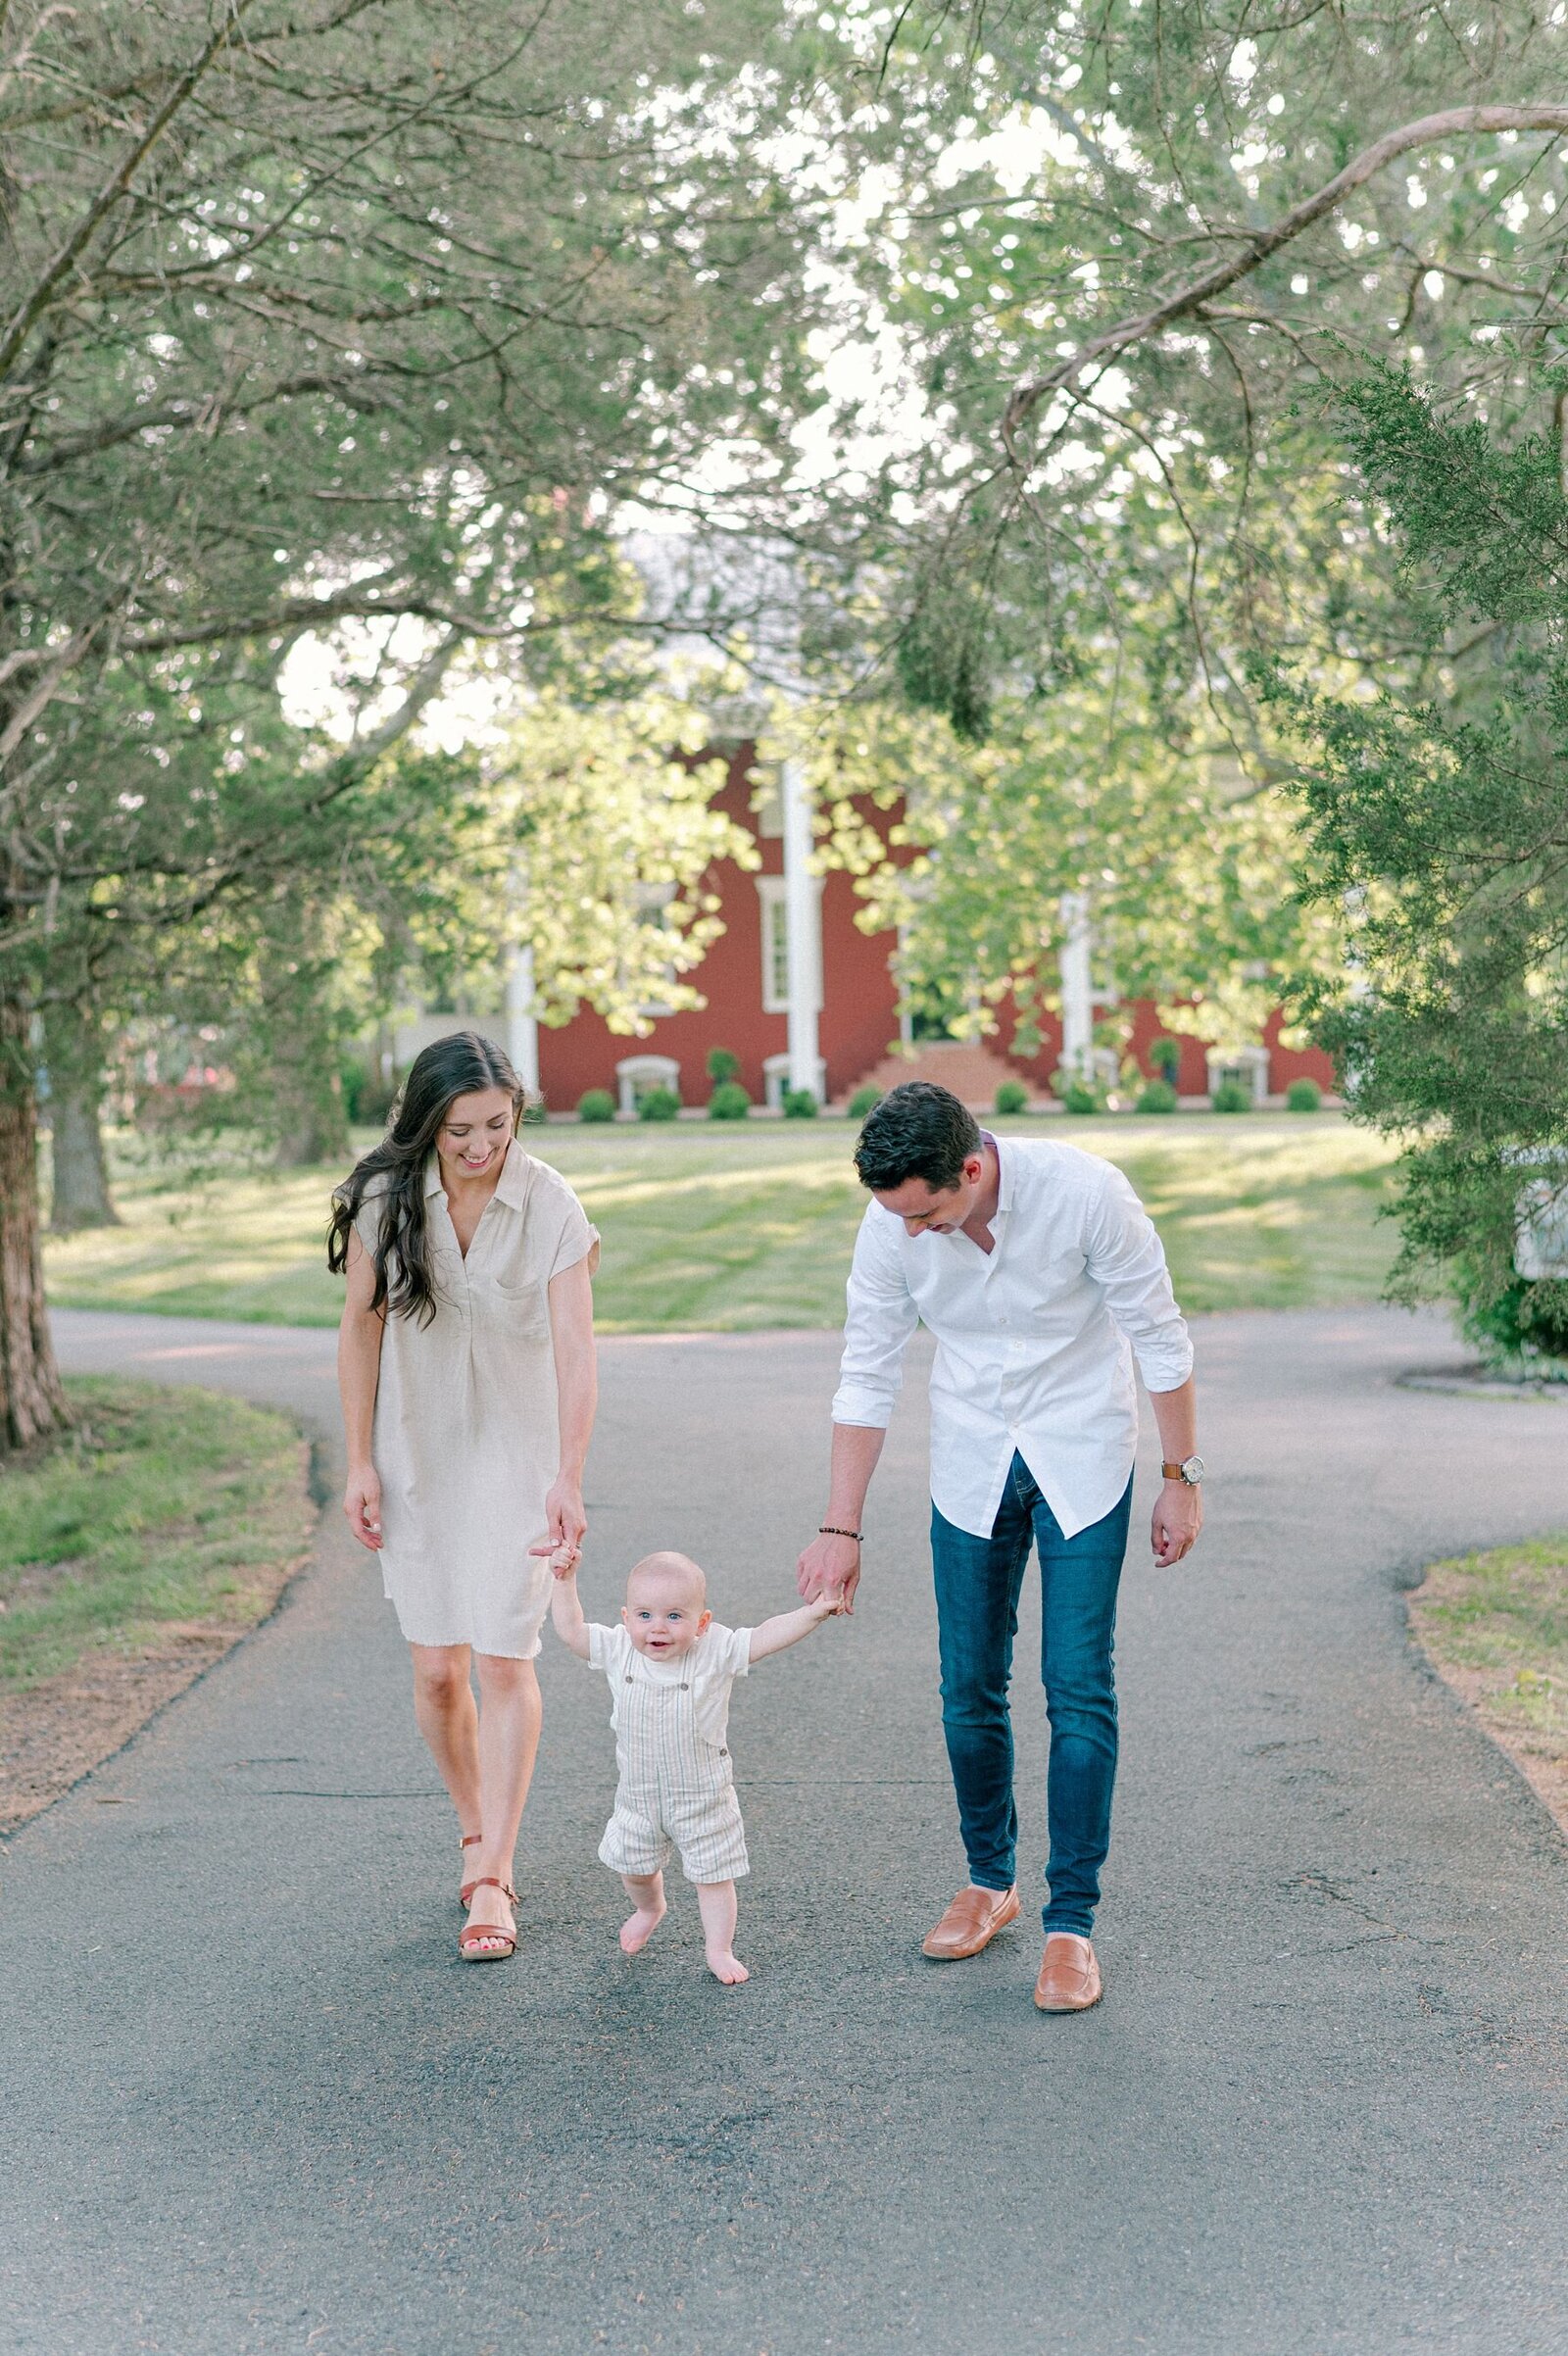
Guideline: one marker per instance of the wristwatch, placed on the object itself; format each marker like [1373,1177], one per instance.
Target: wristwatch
[1189,1470]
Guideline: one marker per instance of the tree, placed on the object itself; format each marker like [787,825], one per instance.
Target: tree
[1080,808]
[1442,823]
[313,313]
[1104,263]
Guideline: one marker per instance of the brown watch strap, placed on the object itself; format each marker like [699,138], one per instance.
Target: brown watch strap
[1174,1472]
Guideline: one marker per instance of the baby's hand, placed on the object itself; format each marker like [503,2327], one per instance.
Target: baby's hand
[563,1559]
[828,1608]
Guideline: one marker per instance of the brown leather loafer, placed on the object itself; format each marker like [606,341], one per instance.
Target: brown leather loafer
[1069,1977]
[970,1923]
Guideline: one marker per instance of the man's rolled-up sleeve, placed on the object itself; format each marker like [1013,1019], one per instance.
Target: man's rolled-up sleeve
[1127,1261]
[876,1331]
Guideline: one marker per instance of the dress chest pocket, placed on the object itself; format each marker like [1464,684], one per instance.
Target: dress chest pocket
[520,1307]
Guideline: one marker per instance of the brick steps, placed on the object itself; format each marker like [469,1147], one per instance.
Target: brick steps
[973,1072]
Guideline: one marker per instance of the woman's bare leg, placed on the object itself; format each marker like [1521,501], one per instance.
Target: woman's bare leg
[718,1906]
[510,1715]
[444,1712]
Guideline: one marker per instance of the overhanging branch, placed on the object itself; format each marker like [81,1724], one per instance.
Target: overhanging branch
[1457,122]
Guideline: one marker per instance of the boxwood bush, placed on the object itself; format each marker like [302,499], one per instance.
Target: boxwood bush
[1304,1096]
[596,1104]
[1159,1096]
[1013,1096]
[1231,1096]
[800,1105]
[657,1105]
[1165,1057]
[863,1101]
[730,1102]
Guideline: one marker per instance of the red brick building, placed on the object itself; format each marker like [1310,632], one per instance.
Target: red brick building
[853,1029]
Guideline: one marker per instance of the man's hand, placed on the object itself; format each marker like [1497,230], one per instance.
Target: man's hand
[361,1502]
[830,1566]
[1178,1518]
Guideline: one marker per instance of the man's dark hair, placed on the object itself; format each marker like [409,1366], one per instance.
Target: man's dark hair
[917,1131]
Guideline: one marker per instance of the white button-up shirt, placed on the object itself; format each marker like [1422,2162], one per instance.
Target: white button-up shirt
[1035,1338]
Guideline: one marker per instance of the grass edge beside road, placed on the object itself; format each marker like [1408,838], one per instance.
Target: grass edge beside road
[133,1554]
[1494,1628]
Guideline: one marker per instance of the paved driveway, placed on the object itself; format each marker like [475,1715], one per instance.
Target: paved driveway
[254,2103]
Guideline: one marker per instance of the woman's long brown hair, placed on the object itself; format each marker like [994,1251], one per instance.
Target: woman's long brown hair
[464,1065]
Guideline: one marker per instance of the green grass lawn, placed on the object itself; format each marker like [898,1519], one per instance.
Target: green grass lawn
[1496,1626]
[728,1229]
[160,1505]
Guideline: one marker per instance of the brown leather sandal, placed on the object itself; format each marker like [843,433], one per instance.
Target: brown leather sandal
[468,1946]
[467,1840]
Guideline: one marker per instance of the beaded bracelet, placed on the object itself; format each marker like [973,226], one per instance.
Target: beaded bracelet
[831,1530]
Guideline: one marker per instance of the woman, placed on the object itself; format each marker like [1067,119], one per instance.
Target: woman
[465,1362]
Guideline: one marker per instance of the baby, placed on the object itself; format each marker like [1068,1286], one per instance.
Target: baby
[670,1667]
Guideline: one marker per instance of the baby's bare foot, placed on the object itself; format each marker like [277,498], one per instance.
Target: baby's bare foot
[639,1928]
[726,1968]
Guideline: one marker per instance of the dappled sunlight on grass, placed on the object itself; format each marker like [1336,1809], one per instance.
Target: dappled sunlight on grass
[727,1231]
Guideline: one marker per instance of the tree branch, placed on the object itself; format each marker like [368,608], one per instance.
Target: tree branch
[1457,122]
[15,334]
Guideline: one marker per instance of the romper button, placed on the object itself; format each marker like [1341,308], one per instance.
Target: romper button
[685,1687]
[628,1676]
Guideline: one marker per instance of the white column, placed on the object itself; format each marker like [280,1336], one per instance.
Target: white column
[522,1030]
[802,914]
[1077,987]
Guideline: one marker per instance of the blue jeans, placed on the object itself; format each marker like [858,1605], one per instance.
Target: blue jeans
[978,1582]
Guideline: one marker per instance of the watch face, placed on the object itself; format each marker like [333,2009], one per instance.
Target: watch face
[1193,1469]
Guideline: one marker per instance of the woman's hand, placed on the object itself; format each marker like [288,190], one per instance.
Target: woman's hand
[361,1502]
[565,1522]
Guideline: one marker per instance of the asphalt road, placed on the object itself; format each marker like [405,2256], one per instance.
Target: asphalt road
[254,2103]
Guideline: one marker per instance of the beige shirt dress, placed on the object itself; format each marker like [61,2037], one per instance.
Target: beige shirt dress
[466,1438]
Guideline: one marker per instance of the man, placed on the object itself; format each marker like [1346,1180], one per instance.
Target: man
[1037,1270]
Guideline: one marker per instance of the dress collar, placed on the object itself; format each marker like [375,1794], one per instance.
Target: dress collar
[512,1187]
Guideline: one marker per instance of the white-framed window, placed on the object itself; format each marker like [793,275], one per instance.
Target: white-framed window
[767,796]
[772,891]
[653,898]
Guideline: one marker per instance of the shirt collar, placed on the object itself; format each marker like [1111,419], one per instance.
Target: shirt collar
[511,1186]
[1003,1155]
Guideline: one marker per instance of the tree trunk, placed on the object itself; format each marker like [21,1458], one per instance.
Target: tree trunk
[311,1123]
[302,1029]
[32,1403]
[74,1054]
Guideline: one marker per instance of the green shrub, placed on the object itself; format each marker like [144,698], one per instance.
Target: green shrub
[863,1101]
[1231,1096]
[722,1066]
[1165,1059]
[657,1105]
[1076,1097]
[597,1105]
[1159,1096]
[1521,1327]
[533,1111]
[1304,1096]
[800,1105]
[730,1102]
[1013,1096]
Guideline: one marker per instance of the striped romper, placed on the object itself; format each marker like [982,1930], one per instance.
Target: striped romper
[677,1787]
